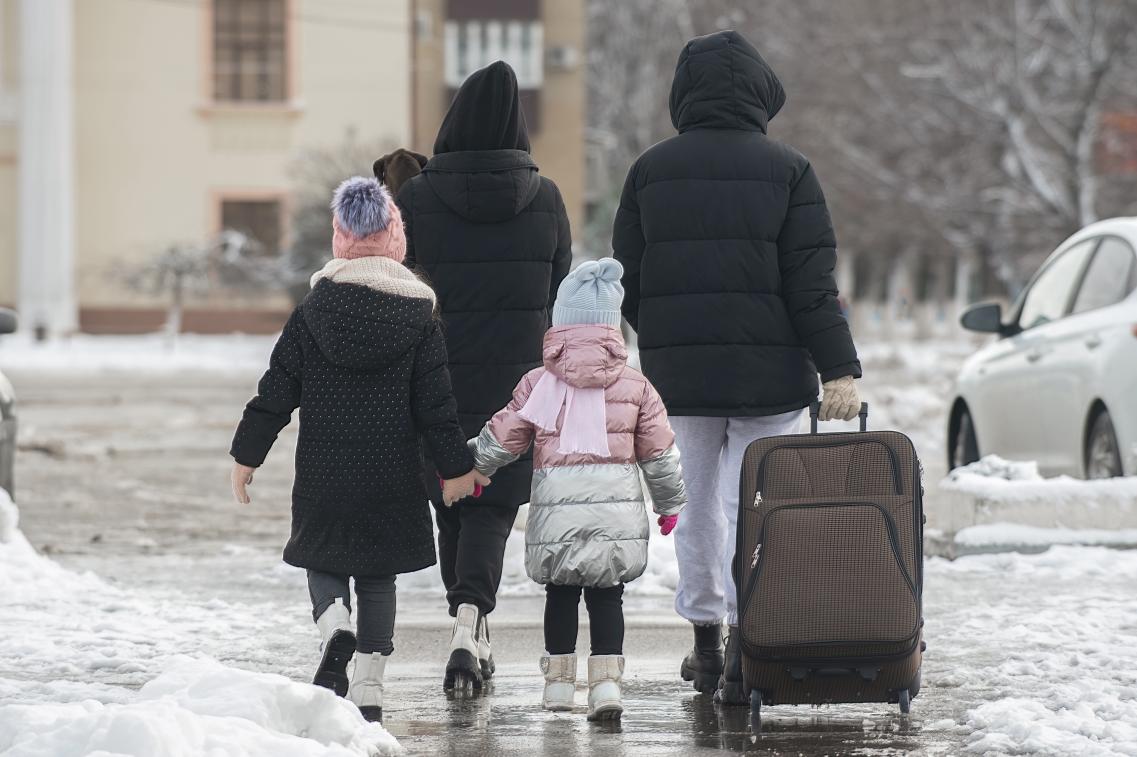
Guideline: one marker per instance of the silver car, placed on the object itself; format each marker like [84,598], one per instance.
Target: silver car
[7,414]
[1059,384]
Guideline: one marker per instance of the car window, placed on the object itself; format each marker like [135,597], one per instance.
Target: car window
[1049,294]
[1109,277]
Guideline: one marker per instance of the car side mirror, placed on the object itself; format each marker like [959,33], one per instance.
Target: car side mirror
[8,321]
[985,317]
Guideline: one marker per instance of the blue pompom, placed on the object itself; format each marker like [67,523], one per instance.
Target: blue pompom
[361,206]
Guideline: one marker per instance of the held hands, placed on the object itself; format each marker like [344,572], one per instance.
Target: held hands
[240,477]
[840,400]
[667,523]
[454,489]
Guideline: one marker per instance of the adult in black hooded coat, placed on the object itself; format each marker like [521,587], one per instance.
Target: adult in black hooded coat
[728,253]
[492,237]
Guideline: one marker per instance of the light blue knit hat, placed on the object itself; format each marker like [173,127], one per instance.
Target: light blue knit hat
[591,294]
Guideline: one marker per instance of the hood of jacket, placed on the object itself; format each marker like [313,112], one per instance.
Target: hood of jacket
[721,82]
[365,321]
[585,356]
[485,114]
[484,186]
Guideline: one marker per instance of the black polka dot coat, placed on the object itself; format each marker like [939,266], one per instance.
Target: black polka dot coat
[368,371]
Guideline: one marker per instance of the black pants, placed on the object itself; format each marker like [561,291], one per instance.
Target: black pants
[605,618]
[471,549]
[375,616]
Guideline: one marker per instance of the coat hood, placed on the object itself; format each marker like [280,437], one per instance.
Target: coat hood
[484,186]
[356,326]
[485,114]
[721,82]
[585,357]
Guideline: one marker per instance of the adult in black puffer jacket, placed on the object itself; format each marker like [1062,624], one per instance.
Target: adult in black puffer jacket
[728,252]
[492,237]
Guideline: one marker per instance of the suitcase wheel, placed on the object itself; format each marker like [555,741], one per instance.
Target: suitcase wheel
[905,701]
[755,711]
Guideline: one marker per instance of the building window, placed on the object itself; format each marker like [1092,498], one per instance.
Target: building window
[260,220]
[250,50]
[474,44]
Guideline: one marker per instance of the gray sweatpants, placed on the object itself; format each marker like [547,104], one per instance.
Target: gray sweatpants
[711,450]
[375,616]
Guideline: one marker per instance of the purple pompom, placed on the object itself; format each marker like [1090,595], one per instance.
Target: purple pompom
[361,206]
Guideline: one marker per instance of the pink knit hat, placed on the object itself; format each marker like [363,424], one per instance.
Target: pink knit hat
[366,222]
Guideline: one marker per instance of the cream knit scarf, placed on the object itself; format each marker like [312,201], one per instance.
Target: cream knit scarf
[378,273]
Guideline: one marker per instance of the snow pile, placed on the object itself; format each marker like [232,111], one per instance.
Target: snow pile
[147,353]
[995,479]
[72,649]
[1045,644]
[993,466]
[198,707]
[1016,535]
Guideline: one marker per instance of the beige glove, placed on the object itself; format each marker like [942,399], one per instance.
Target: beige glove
[454,489]
[840,400]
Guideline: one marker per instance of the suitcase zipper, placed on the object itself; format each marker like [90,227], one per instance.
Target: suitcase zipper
[897,483]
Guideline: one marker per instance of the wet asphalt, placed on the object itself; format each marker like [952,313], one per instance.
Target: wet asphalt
[663,714]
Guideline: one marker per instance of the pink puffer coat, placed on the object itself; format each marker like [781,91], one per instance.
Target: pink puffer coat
[587,524]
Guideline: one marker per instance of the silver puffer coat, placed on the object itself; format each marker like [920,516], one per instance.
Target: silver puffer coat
[587,523]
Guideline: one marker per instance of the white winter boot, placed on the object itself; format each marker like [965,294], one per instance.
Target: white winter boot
[338,644]
[604,675]
[463,672]
[560,681]
[366,691]
[485,655]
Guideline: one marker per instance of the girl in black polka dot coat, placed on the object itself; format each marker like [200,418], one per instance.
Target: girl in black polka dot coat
[364,360]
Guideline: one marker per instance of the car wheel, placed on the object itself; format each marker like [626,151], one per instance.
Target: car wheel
[964,446]
[1103,456]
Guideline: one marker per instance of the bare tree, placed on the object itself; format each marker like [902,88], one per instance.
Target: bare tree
[315,175]
[181,271]
[991,113]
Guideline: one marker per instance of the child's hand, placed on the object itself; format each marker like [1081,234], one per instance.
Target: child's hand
[241,477]
[667,523]
[455,489]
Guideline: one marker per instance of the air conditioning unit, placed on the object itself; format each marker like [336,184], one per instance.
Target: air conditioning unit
[562,58]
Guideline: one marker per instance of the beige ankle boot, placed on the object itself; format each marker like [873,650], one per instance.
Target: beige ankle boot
[366,690]
[605,672]
[560,681]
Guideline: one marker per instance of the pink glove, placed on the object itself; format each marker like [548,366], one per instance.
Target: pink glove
[667,523]
[478,489]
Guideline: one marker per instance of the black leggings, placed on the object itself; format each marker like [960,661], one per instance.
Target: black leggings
[605,618]
[375,616]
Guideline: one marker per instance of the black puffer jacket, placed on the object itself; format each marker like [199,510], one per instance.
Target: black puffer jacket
[728,249]
[368,371]
[492,237]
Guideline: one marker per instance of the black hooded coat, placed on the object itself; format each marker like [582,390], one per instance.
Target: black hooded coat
[368,371]
[728,248]
[492,237]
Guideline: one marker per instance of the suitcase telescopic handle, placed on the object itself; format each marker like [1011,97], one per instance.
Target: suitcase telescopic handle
[815,408]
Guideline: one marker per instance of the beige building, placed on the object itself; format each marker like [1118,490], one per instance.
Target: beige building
[130,125]
[543,40]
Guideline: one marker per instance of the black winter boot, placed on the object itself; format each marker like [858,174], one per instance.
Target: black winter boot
[704,665]
[730,685]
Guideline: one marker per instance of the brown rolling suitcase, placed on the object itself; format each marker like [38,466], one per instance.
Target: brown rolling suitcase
[829,565]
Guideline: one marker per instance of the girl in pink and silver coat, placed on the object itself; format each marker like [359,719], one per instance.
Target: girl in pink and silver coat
[601,434]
